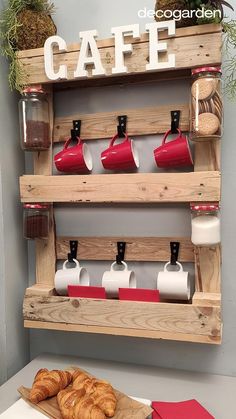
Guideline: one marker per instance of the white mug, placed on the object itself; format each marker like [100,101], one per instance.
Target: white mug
[70,276]
[174,285]
[115,278]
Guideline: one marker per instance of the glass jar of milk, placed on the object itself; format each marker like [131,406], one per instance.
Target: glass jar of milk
[205,224]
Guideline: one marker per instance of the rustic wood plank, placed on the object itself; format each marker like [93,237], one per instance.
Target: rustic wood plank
[161,317]
[206,299]
[143,121]
[208,269]
[103,43]
[139,188]
[207,156]
[45,250]
[146,249]
[41,290]
[191,51]
[116,331]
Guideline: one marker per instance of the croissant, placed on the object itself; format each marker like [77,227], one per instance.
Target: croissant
[76,404]
[81,380]
[48,383]
[104,397]
[101,391]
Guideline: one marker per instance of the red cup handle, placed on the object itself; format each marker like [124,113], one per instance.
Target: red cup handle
[67,143]
[116,137]
[168,133]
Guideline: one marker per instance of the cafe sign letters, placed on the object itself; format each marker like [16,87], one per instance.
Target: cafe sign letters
[89,54]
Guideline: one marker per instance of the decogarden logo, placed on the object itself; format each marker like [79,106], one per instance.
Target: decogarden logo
[178,15]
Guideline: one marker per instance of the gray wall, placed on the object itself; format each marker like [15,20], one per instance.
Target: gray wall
[71,17]
[14,344]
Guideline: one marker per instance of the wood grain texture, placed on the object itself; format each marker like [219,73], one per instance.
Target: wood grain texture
[116,331]
[145,249]
[103,43]
[160,317]
[208,269]
[143,121]
[139,188]
[207,156]
[41,290]
[192,48]
[45,250]
[206,299]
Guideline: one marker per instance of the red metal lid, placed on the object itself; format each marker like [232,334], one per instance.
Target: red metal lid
[36,88]
[207,70]
[208,206]
[37,206]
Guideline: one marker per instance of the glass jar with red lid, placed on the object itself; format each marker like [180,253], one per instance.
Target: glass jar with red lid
[205,224]
[206,104]
[34,119]
[36,221]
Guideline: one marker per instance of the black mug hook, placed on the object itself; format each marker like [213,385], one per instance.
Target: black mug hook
[174,248]
[121,128]
[73,250]
[175,118]
[120,252]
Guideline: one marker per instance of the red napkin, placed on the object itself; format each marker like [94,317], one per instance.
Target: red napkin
[84,291]
[182,410]
[138,294]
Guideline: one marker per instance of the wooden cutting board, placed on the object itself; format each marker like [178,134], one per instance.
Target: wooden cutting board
[126,407]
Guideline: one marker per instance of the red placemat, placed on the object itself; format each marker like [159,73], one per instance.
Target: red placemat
[189,409]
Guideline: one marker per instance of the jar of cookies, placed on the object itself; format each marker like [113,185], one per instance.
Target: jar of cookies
[206,104]
[205,224]
[34,119]
[36,221]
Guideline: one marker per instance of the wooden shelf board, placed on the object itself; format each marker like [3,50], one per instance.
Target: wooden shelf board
[122,188]
[187,322]
[195,46]
[143,121]
[122,332]
[146,249]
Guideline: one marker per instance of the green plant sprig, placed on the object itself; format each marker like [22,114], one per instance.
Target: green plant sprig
[8,36]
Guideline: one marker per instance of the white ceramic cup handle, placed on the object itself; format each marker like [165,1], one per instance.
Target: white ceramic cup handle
[67,261]
[177,263]
[123,263]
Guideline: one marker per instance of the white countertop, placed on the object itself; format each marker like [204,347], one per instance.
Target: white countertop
[216,393]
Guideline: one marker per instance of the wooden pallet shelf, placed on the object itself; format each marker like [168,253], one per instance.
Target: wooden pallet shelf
[139,188]
[200,320]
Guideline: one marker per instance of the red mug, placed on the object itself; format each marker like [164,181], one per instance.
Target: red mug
[75,159]
[176,153]
[123,156]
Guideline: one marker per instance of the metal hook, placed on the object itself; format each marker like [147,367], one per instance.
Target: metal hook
[120,252]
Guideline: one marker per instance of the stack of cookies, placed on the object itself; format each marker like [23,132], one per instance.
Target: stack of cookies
[207,109]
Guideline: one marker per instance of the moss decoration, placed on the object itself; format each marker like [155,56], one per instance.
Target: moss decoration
[174,5]
[24,24]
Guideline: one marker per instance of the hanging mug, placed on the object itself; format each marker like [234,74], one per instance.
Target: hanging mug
[123,156]
[70,276]
[116,278]
[174,285]
[176,153]
[74,159]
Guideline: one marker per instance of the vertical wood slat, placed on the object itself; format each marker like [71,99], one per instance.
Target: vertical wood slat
[207,259]
[46,250]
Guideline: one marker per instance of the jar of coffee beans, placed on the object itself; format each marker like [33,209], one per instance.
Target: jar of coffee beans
[36,221]
[34,119]
[206,104]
